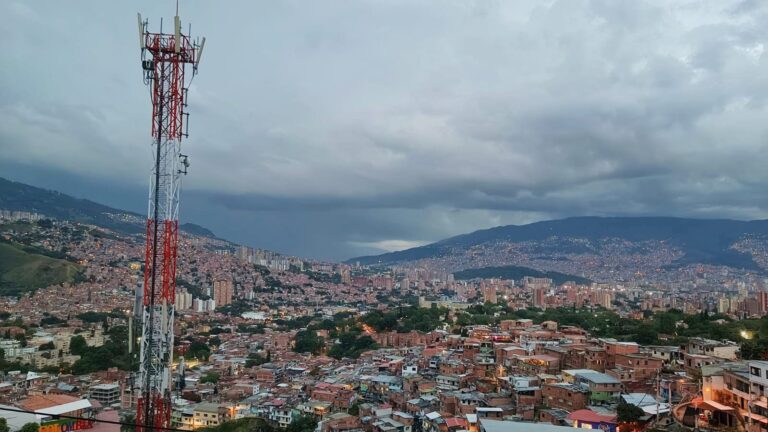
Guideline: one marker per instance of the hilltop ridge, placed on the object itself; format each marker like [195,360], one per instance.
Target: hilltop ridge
[16,196]
[567,245]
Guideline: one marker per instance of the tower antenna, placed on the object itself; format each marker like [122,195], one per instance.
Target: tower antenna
[164,59]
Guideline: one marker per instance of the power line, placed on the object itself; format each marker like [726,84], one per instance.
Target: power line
[60,416]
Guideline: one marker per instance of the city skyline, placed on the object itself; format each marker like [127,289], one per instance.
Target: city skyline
[396,216]
[353,130]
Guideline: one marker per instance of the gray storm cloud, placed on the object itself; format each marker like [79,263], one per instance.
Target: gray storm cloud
[375,124]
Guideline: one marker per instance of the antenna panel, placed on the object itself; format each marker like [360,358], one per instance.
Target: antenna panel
[141,31]
[177,32]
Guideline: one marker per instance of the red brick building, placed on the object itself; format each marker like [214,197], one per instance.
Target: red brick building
[565,396]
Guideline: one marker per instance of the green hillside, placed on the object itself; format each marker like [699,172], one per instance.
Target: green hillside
[517,273]
[22,197]
[21,271]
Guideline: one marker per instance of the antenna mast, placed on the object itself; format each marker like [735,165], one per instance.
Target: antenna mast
[164,58]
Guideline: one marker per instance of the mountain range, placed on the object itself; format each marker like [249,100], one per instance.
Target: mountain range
[26,267]
[595,247]
[15,196]
[579,248]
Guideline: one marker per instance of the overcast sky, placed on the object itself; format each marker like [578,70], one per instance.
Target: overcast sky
[338,128]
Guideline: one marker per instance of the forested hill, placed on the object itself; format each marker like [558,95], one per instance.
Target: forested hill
[17,196]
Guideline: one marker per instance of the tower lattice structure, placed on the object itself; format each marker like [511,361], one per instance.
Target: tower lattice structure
[164,59]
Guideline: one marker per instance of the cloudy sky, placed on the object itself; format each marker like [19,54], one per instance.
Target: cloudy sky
[335,128]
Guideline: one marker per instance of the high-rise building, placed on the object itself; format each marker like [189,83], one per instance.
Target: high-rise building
[346,276]
[243,253]
[385,282]
[183,300]
[538,296]
[743,291]
[604,298]
[461,290]
[533,283]
[570,294]
[223,290]
[762,299]
[724,305]
[489,294]
[199,305]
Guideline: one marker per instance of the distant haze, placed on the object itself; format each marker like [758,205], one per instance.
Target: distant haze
[335,129]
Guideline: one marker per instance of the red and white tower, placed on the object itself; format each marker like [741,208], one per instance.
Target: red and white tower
[164,58]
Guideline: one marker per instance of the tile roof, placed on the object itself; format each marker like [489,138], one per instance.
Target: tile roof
[37,402]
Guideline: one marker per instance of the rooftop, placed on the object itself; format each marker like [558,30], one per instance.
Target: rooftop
[105,387]
[598,378]
[38,402]
[512,426]
[207,407]
[590,416]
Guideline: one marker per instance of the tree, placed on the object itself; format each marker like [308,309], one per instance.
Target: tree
[214,342]
[327,324]
[198,350]
[4,425]
[628,413]
[754,349]
[47,346]
[381,321]
[52,320]
[646,335]
[30,427]
[114,353]
[352,346]
[256,360]
[354,410]
[307,341]
[77,345]
[302,424]
[128,421]
[45,223]
[210,377]
[22,338]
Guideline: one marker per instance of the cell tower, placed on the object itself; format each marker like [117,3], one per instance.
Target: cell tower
[164,58]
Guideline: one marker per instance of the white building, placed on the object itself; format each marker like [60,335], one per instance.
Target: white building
[106,394]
